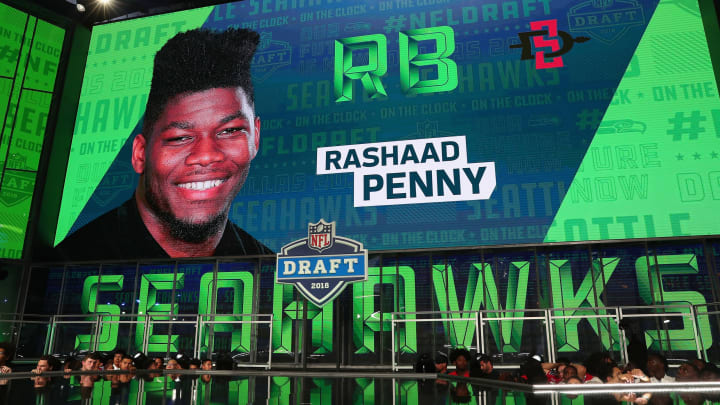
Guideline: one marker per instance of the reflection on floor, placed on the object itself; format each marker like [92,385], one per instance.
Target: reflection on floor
[305,388]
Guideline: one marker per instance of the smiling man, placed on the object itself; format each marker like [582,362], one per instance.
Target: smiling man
[199,136]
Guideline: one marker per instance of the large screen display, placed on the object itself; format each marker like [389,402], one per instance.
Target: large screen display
[29,58]
[411,124]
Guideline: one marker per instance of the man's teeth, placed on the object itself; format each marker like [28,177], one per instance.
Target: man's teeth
[201,185]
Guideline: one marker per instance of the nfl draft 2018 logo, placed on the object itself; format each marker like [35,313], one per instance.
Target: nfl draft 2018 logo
[322,264]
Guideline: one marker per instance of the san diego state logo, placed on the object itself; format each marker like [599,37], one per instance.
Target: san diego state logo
[322,264]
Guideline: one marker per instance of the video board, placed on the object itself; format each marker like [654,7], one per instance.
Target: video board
[29,57]
[415,124]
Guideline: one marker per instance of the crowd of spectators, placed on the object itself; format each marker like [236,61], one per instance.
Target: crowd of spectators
[599,368]
[118,360]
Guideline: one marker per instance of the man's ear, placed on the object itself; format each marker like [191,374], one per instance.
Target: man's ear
[138,154]
[257,137]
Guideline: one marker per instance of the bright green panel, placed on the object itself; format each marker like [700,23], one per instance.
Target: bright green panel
[16,89]
[5,89]
[44,57]
[653,168]
[113,99]
[12,27]
[29,130]
[15,198]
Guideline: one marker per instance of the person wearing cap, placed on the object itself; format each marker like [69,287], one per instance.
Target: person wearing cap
[441,362]
[199,136]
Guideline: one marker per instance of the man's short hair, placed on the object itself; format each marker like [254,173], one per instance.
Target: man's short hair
[484,358]
[460,352]
[53,363]
[199,60]
[94,356]
[662,359]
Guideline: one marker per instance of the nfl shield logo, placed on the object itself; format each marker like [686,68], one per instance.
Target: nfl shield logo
[321,236]
[321,277]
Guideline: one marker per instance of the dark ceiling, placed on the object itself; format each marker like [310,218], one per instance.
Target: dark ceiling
[95,12]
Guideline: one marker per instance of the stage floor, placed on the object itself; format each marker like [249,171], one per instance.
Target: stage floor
[278,387]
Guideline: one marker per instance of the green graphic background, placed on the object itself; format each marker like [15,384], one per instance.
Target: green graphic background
[29,57]
[653,168]
[648,171]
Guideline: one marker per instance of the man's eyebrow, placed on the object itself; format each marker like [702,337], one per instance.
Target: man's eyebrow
[234,116]
[177,125]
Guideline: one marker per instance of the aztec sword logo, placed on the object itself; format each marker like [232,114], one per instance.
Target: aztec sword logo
[321,265]
[546,60]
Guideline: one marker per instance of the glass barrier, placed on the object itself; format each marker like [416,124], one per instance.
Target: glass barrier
[680,332]
[246,337]
[441,331]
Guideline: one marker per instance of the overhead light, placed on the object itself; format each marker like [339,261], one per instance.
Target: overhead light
[104,2]
[80,7]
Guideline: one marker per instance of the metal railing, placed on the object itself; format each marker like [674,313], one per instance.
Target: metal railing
[606,322]
[254,320]
[89,330]
[428,316]
[67,333]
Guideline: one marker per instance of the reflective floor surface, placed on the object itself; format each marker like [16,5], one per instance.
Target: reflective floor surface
[330,388]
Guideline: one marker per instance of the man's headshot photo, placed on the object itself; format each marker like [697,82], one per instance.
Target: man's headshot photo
[199,135]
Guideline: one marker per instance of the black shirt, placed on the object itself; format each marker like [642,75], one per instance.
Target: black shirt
[121,234]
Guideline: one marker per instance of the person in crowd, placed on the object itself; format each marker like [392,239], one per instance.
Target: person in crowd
[158,363]
[558,372]
[424,364]
[91,362]
[173,364]
[568,372]
[441,363]
[206,365]
[699,364]
[484,368]
[687,372]
[195,364]
[72,364]
[141,361]
[531,371]
[593,364]
[710,373]
[612,374]
[46,363]
[118,355]
[126,363]
[657,368]
[461,360]
[224,361]
[573,380]
[6,354]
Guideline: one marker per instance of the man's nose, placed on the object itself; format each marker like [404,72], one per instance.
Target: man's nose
[205,151]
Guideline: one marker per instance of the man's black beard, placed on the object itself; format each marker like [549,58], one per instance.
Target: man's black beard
[182,230]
